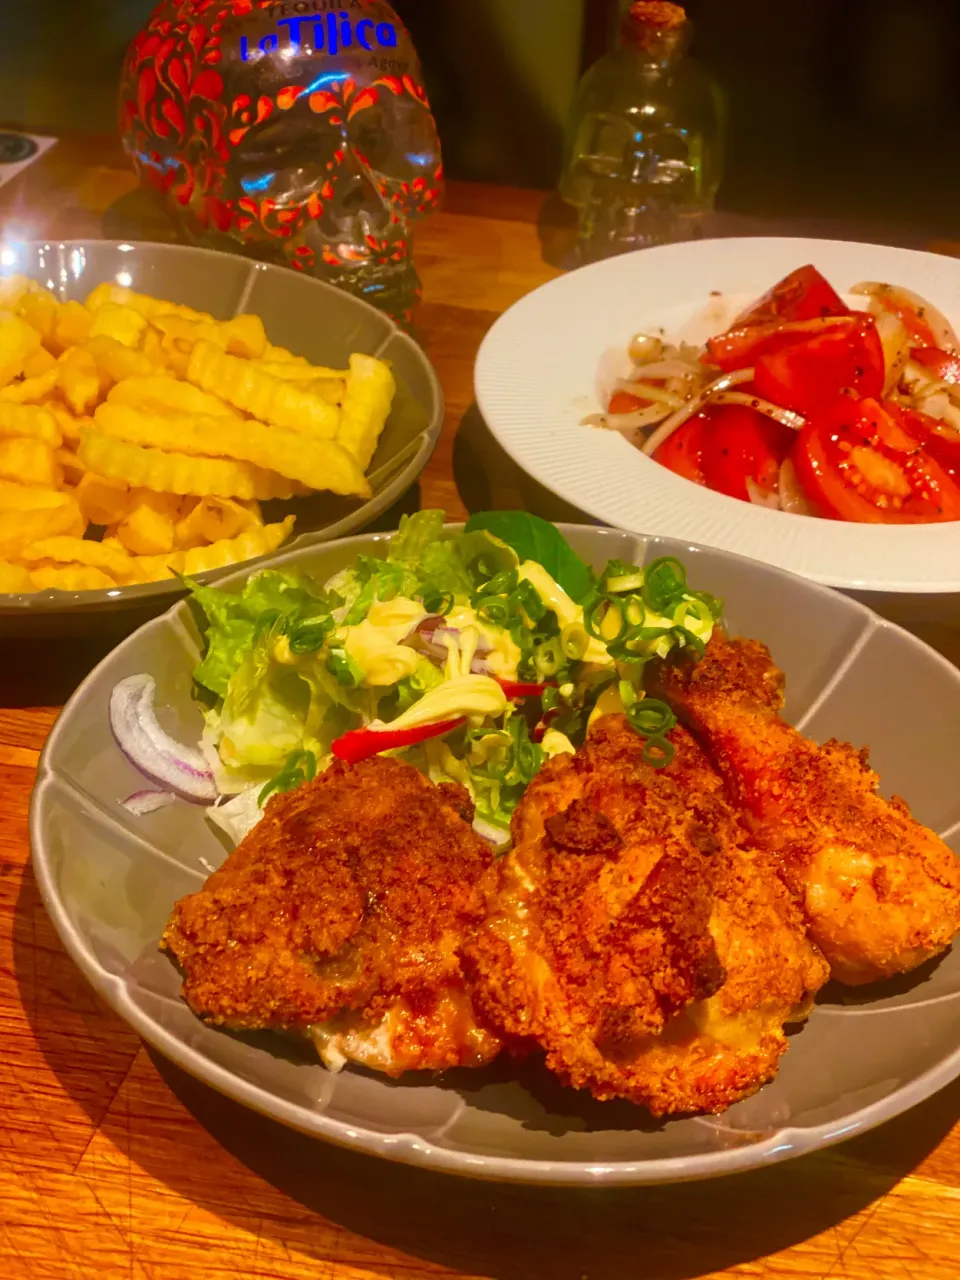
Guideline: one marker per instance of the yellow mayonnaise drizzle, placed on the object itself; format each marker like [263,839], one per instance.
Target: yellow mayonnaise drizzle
[568,613]
[504,656]
[463,696]
[374,644]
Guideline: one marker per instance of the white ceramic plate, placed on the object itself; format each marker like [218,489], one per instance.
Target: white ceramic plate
[537,377]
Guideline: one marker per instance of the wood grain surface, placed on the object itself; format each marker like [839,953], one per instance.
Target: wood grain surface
[114,1164]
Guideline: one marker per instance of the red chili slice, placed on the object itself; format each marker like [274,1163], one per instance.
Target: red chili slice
[361,744]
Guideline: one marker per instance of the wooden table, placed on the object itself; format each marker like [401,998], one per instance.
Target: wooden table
[113,1164]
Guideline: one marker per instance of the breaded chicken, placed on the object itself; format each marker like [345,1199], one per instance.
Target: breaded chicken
[880,892]
[341,915]
[635,942]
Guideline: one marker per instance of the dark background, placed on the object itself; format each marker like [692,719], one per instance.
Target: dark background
[843,108]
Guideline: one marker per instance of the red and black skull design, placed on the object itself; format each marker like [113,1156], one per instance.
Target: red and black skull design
[296,130]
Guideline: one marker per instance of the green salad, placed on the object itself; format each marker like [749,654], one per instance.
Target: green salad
[474,656]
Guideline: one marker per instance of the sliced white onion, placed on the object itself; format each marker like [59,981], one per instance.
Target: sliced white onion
[676,420]
[762,497]
[142,802]
[896,348]
[792,497]
[940,406]
[499,837]
[786,417]
[627,421]
[134,723]
[648,391]
[673,368]
[942,329]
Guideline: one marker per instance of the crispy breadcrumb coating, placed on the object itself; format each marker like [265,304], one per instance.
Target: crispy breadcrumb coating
[649,955]
[348,901]
[880,892]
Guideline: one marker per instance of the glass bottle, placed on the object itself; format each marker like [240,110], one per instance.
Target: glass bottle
[644,148]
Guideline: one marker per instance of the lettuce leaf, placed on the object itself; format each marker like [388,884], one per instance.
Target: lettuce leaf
[232,620]
[539,540]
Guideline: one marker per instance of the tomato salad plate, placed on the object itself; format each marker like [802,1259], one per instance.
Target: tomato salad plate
[792,400]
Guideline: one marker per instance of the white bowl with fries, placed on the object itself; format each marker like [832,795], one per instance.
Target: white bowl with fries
[168,411]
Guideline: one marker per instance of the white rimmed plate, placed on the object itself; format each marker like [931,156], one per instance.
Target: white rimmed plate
[537,377]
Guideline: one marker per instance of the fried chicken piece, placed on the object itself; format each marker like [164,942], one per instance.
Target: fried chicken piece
[650,957]
[341,915]
[880,892]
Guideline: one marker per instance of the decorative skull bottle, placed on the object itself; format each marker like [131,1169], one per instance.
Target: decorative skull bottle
[295,132]
[644,151]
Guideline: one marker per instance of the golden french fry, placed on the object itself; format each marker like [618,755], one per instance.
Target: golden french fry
[29,462]
[163,394]
[12,289]
[243,385]
[145,531]
[73,326]
[18,529]
[296,369]
[39,363]
[142,302]
[150,569]
[25,497]
[153,349]
[40,311]
[214,520]
[67,550]
[29,420]
[14,578]
[102,500]
[70,577]
[320,464]
[18,342]
[70,426]
[366,407]
[73,469]
[30,390]
[241,336]
[171,472]
[249,545]
[124,324]
[117,362]
[79,380]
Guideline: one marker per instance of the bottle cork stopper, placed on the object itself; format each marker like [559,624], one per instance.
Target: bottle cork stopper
[653,24]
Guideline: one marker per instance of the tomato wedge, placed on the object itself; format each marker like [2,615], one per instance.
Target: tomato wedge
[624,402]
[740,444]
[682,453]
[808,376]
[802,295]
[936,437]
[855,462]
[940,363]
[741,348]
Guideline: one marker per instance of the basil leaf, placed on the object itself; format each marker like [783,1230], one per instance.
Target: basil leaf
[535,539]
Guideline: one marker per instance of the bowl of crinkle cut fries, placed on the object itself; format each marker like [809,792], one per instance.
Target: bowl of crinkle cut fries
[167,413]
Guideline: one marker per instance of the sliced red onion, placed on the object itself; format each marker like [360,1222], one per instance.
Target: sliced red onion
[792,497]
[762,497]
[142,802]
[786,417]
[676,420]
[139,736]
